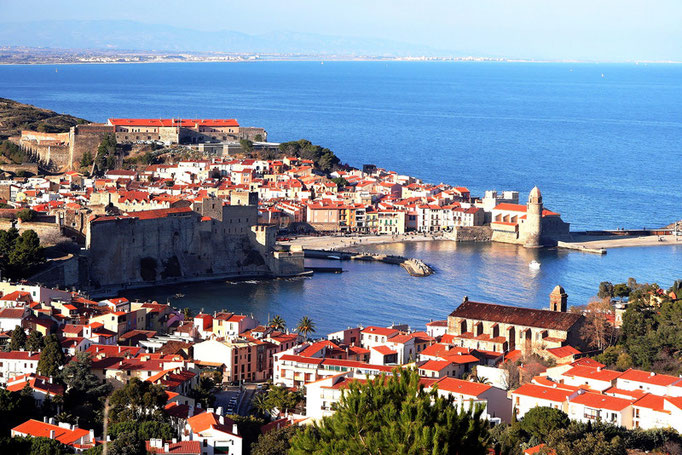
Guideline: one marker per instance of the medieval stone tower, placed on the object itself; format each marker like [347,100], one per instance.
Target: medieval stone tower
[532,228]
[558,300]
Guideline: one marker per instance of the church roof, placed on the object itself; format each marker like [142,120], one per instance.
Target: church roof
[516,315]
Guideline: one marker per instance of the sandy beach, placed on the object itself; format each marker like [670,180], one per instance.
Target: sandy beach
[330,242]
[614,241]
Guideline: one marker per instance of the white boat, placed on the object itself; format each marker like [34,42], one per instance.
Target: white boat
[338,258]
[535,265]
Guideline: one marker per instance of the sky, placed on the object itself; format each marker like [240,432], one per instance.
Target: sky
[553,29]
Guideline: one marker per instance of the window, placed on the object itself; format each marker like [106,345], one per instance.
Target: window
[592,414]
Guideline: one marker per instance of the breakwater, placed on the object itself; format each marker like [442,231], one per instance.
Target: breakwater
[413,266]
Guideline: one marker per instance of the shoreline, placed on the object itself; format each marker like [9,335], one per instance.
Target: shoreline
[332,242]
[608,242]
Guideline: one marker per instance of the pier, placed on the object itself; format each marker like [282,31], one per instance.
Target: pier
[413,266]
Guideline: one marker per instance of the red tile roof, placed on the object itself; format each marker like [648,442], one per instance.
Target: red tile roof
[180,448]
[599,401]
[460,386]
[649,377]
[39,429]
[166,122]
[544,393]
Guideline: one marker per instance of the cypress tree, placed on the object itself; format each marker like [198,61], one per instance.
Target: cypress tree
[51,357]
[18,340]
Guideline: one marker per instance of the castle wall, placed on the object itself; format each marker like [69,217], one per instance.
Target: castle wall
[84,138]
[177,246]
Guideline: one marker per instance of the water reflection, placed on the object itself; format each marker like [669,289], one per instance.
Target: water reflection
[376,293]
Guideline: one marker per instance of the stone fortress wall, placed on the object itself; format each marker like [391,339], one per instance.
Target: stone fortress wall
[182,244]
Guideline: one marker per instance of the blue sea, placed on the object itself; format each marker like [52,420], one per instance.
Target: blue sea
[602,141]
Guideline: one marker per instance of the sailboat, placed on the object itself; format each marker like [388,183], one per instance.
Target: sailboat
[534,265]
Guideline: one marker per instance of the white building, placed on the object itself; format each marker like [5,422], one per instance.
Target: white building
[466,394]
[595,407]
[216,434]
[17,363]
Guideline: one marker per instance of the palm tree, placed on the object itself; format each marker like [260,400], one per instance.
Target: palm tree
[261,404]
[481,379]
[305,326]
[277,322]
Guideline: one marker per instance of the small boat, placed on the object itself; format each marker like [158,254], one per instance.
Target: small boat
[535,265]
[179,295]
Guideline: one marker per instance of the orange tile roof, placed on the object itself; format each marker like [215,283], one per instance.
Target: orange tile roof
[460,386]
[598,373]
[649,377]
[599,401]
[39,429]
[167,122]
[544,393]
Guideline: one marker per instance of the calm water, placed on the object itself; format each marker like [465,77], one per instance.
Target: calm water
[375,293]
[606,152]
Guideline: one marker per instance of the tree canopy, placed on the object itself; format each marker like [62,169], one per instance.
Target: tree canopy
[19,254]
[323,158]
[137,400]
[394,414]
[51,357]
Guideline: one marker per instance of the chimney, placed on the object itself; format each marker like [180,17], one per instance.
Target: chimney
[219,410]
[51,421]
[598,368]
[51,434]
[166,447]
[50,379]
[221,419]
[235,430]
[45,419]
[652,374]
[92,435]
[175,440]
[465,299]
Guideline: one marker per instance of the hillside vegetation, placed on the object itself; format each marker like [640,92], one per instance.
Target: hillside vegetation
[15,116]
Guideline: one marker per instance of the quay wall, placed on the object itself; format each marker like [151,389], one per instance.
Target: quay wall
[471,234]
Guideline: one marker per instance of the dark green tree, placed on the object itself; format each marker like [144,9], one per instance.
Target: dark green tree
[395,415]
[51,357]
[247,145]
[275,442]
[25,255]
[18,340]
[35,341]
[542,421]
[203,392]
[85,393]
[86,159]
[137,400]
[25,214]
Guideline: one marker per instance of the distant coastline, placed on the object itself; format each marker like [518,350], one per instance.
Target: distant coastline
[45,56]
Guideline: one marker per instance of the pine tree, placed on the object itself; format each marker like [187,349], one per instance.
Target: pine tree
[18,340]
[395,415]
[51,357]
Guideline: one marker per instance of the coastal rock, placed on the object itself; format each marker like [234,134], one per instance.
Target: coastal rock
[416,267]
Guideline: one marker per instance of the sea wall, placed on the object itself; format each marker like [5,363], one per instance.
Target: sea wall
[471,234]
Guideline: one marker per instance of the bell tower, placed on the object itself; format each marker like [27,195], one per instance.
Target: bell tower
[558,300]
[533,225]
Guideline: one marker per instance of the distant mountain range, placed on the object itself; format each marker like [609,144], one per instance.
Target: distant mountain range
[131,35]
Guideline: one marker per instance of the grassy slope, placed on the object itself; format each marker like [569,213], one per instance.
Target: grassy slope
[15,116]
